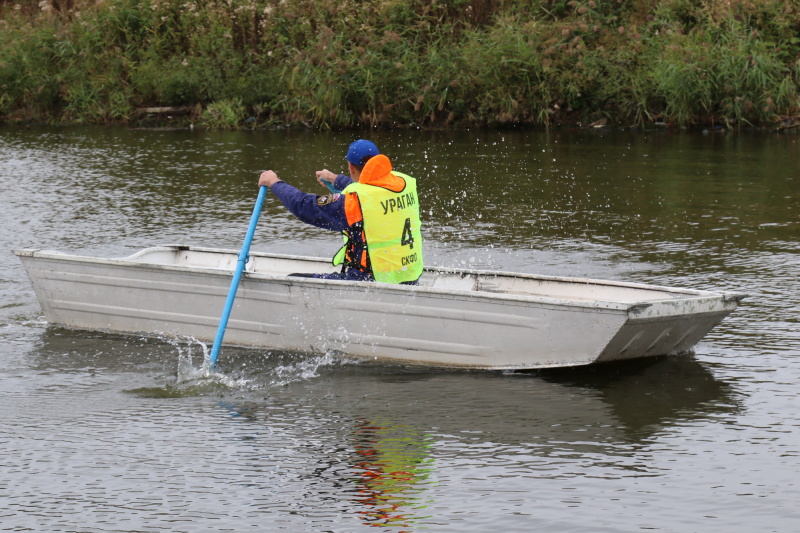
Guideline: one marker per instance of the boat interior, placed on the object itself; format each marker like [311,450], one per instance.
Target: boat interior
[436,278]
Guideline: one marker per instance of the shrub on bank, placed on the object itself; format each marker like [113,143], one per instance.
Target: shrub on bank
[342,63]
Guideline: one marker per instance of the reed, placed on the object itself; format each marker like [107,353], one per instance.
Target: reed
[384,63]
[224,114]
[725,73]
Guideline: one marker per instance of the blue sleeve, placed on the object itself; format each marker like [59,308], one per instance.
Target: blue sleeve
[341,182]
[326,212]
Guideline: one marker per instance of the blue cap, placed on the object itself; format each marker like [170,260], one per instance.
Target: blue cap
[360,151]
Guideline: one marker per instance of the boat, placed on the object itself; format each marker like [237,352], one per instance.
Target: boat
[453,318]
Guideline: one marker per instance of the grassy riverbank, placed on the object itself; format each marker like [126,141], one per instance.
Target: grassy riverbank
[394,63]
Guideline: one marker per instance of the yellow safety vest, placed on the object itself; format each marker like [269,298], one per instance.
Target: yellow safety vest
[391,229]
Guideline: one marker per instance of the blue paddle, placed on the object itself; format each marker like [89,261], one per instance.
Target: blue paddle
[237,275]
[330,187]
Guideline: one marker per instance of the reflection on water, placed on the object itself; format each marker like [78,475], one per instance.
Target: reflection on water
[631,400]
[377,443]
[390,465]
[617,405]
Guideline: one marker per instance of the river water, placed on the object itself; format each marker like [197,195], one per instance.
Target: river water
[105,433]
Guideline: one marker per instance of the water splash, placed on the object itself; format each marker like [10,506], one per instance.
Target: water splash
[190,378]
[239,370]
[307,368]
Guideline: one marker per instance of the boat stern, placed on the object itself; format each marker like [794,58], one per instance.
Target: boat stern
[668,327]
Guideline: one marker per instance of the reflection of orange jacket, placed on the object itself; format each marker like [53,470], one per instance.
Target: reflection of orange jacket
[390,461]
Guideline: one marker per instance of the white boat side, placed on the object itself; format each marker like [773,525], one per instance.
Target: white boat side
[454,318]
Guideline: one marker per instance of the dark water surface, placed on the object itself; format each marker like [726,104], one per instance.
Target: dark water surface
[106,433]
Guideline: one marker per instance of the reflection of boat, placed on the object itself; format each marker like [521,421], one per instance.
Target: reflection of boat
[580,410]
[453,318]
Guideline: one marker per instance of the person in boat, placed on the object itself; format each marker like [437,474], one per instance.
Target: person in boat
[377,211]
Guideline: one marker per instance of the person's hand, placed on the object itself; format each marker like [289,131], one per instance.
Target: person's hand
[326,175]
[268,178]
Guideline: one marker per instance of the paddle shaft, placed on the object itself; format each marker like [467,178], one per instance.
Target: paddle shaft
[330,187]
[237,275]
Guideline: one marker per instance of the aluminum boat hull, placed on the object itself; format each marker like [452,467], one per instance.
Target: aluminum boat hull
[454,318]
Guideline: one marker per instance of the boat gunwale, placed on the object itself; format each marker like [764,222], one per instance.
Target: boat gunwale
[133,261]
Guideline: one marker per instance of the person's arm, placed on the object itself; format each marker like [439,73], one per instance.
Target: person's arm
[326,212]
[339,181]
